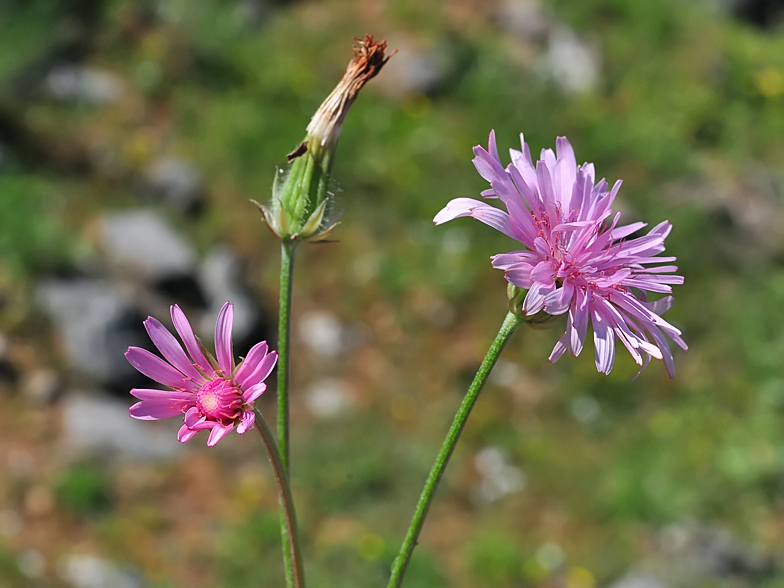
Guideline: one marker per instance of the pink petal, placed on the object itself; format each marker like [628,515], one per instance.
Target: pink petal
[251,394]
[152,394]
[152,410]
[460,207]
[559,301]
[505,260]
[559,348]
[247,421]
[223,339]
[184,330]
[543,272]
[534,300]
[622,232]
[193,417]
[604,343]
[170,348]
[578,323]
[154,367]
[520,275]
[254,356]
[261,371]
[185,434]
[218,432]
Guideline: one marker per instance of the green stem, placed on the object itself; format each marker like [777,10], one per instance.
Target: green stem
[287,253]
[510,325]
[286,503]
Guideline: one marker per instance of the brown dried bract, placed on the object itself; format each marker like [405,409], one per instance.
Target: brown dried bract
[301,149]
[369,57]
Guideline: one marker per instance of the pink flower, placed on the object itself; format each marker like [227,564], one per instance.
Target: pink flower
[576,260]
[212,394]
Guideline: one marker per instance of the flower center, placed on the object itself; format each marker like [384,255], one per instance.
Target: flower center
[220,399]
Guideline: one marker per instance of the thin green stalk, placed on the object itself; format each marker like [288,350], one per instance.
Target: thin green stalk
[287,253]
[286,503]
[510,325]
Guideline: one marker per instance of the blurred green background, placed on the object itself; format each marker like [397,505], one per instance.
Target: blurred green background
[563,478]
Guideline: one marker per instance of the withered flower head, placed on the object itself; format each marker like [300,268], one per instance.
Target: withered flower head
[324,128]
[301,203]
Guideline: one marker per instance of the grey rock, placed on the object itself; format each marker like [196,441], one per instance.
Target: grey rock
[571,63]
[638,581]
[141,242]
[77,83]
[499,477]
[251,14]
[524,18]
[220,277]
[413,69]
[328,398]
[40,385]
[11,523]
[88,571]
[323,333]
[99,426]
[702,551]
[96,324]
[174,181]
[31,563]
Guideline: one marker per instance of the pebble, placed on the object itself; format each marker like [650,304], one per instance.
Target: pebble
[97,426]
[142,242]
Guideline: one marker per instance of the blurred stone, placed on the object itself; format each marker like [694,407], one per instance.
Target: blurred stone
[586,409]
[87,571]
[20,463]
[142,242]
[78,83]
[524,18]
[323,333]
[638,581]
[571,63]
[38,502]
[748,208]
[700,551]
[251,14]
[41,385]
[412,70]
[7,369]
[499,478]
[11,523]
[96,324]
[96,425]
[550,556]
[329,398]
[220,277]
[174,181]
[31,563]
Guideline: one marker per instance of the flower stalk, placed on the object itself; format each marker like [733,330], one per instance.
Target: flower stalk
[287,255]
[295,574]
[511,323]
[300,210]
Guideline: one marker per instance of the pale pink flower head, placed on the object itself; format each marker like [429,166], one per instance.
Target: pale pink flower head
[212,394]
[577,260]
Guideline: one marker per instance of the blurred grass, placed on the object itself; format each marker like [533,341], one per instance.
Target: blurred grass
[688,98]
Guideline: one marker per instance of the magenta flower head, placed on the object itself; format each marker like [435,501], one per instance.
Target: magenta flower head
[577,260]
[213,394]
